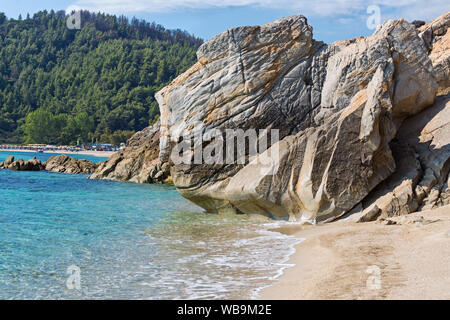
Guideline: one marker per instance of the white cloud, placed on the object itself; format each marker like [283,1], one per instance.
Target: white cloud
[410,9]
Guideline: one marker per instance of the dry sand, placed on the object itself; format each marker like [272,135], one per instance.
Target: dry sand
[336,261]
[105,154]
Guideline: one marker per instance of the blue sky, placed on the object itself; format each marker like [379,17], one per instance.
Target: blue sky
[331,19]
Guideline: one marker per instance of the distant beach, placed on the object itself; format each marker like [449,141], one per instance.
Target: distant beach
[93,153]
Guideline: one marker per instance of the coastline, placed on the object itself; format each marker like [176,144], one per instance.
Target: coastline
[336,260]
[103,154]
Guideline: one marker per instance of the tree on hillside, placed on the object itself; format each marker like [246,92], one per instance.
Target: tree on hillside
[40,126]
[95,81]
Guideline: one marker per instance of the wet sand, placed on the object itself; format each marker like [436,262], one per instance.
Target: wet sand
[341,260]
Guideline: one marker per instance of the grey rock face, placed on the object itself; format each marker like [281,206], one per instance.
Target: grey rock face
[337,107]
[422,146]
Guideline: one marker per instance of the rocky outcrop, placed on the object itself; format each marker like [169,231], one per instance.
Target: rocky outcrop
[421,181]
[336,108]
[65,164]
[138,161]
[21,165]
[437,39]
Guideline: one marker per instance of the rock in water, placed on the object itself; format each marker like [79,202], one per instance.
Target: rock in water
[65,164]
[337,107]
[33,165]
[62,164]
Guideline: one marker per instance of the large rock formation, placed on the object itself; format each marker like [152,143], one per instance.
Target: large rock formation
[137,162]
[337,107]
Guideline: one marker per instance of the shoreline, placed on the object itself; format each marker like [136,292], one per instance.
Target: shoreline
[338,260]
[101,154]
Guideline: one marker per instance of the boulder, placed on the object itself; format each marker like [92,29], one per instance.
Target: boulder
[17,165]
[437,38]
[8,161]
[336,108]
[62,163]
[21,165]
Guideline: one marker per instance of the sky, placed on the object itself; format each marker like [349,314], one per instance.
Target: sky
[331,19]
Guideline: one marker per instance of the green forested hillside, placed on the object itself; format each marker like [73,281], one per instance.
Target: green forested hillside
[59,85]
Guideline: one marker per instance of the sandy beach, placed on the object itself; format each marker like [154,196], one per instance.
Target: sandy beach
[105,154]
[408,259]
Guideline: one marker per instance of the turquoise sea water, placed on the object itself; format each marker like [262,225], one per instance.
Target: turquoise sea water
[129,241]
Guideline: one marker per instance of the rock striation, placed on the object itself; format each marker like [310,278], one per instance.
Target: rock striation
[21,165]
[422,146]
[65,164]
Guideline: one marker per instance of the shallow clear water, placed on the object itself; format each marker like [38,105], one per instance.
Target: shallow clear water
[130,241]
